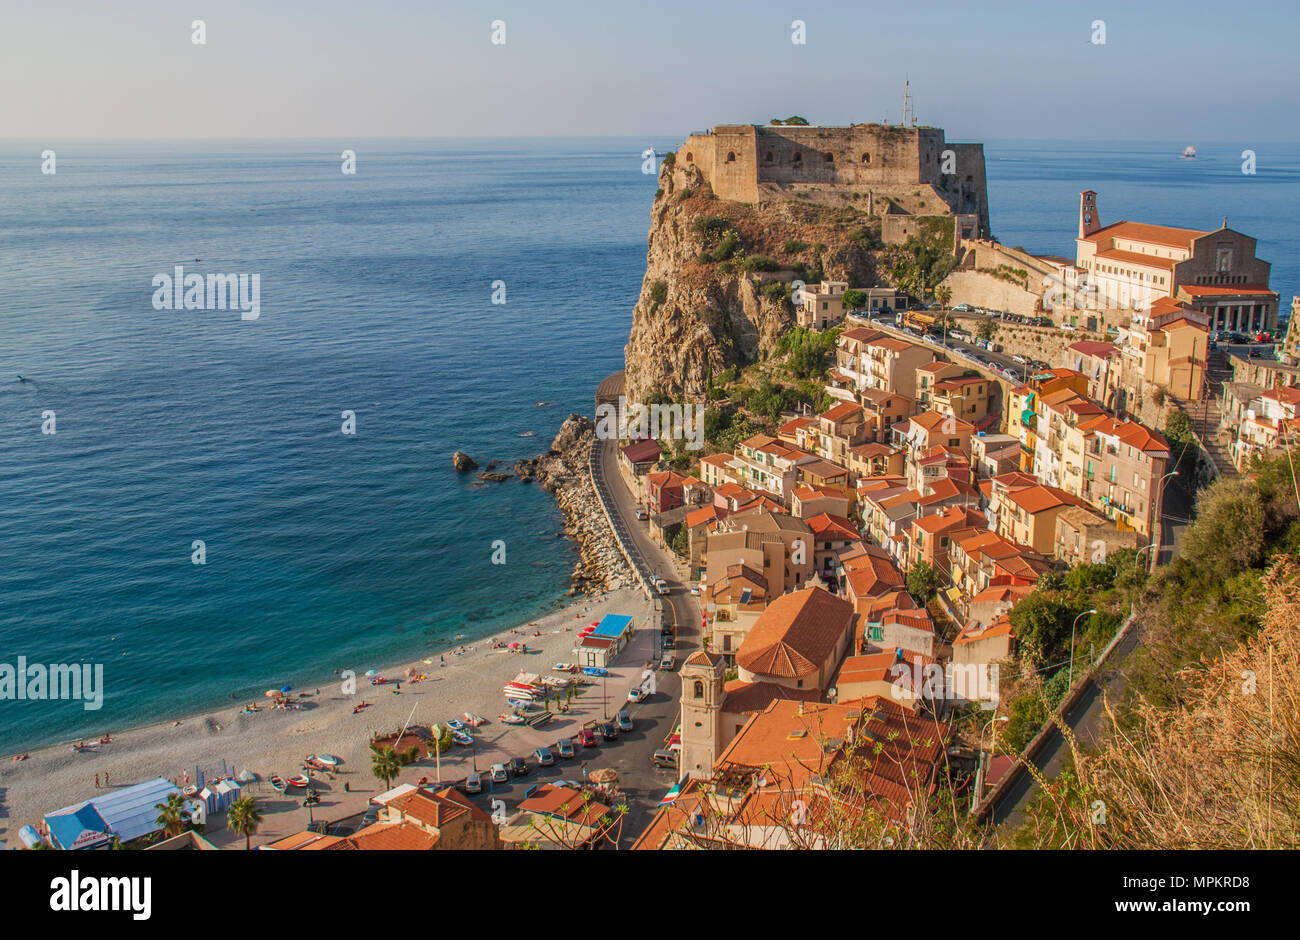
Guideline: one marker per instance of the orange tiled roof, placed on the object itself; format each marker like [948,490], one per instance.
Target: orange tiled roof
[1142,232]
[796,634]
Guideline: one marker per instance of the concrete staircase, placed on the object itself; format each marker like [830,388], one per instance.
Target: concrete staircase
[1207,414]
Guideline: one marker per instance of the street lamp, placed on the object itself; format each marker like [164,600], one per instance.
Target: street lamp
[979,768]
[1070,676]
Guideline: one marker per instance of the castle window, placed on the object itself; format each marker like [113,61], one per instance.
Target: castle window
[731,156]
[828,157]
[768,157]
[798,158]
[699,689]
[866,158]
[690,157]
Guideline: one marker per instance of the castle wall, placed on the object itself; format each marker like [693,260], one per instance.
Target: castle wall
[876,160]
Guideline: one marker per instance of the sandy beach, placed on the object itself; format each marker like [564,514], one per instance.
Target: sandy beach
[277,740]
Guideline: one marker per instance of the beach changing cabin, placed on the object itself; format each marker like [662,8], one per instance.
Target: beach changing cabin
[603,645]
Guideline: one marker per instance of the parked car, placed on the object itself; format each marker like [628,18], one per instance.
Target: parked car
[519,767]
[1019,358]
[372,815]
[544,757]
[1263,338]
[609,731]
[499,774]
[669,642]
[667,661]
[695,590]
[642,515]
[666,629]
[1068,327]
[638,694]
[665,758]
[473,784]
[961,308]
[587,738]
[564,748]
[661,585]
[624,720]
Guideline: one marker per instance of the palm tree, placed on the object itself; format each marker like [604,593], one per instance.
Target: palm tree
[244,818]
[943,294]
[172,815]
[384,764]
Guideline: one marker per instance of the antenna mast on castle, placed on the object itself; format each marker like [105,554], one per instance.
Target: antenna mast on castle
[909,117]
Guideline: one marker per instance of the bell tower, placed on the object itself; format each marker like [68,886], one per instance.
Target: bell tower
[702,697]
[1088,221]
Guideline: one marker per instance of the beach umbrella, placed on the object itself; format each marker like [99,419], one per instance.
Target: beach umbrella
[286,688]
[272,693]
[606,775]
[372,672]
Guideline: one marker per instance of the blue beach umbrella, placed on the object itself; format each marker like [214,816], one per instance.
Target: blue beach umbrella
[286,688]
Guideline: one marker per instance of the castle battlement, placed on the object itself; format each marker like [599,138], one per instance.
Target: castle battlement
[883,164]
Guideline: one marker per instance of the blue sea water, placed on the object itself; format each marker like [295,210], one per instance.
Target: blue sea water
[324,550]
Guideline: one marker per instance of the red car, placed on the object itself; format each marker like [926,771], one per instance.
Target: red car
[588,738]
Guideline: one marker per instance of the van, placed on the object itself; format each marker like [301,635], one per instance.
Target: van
[665,758]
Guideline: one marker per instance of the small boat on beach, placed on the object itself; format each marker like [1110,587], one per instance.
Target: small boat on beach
[512,719]
[278,784]
[299,780]
[462,737]
[455,724]
[474,720]
[329,760]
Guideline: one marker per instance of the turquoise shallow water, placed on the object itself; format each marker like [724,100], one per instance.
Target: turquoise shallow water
[326,550]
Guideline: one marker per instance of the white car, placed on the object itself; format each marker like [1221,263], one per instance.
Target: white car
[661,585]
[638,695]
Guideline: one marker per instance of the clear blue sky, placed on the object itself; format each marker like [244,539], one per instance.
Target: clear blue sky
[1170,69]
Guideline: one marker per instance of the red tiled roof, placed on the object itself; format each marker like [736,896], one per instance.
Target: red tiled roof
[1143,232]
[796,634]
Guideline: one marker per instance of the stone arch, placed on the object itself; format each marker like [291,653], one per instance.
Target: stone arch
[731,156]
[699,689]
[866,158]
[828,157]
[690,157]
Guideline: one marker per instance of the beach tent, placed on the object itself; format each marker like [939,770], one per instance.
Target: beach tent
[77,827]
[210,800]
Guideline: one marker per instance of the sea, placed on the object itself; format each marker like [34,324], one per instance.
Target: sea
[449,295]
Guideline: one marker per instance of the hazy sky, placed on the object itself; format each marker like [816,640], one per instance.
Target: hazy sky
[1179,70]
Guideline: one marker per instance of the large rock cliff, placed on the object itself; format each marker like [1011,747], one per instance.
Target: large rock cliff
[703,308]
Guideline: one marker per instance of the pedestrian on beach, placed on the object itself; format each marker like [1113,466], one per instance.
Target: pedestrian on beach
[96,781]
[106,778]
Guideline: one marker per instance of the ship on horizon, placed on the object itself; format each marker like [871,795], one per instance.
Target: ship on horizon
[1189,153]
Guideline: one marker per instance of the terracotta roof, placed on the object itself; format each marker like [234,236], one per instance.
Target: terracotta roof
[747,697]
[880,667]
[826,526]
[1225,290]
[701,516]
[842,411]
[388,837]
[974,631]
[1143,232]
[703,658]
[1093,348]
[642,451]
[1040,498]
[796,634]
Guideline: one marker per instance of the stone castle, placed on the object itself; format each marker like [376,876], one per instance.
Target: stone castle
[902,174]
